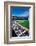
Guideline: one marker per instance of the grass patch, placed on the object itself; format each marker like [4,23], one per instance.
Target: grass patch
[24,23]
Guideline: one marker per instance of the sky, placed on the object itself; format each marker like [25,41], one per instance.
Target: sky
[20,11]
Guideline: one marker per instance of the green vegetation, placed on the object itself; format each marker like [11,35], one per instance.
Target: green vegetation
[24,23]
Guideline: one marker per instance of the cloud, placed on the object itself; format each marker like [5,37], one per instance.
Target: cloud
[25,14]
